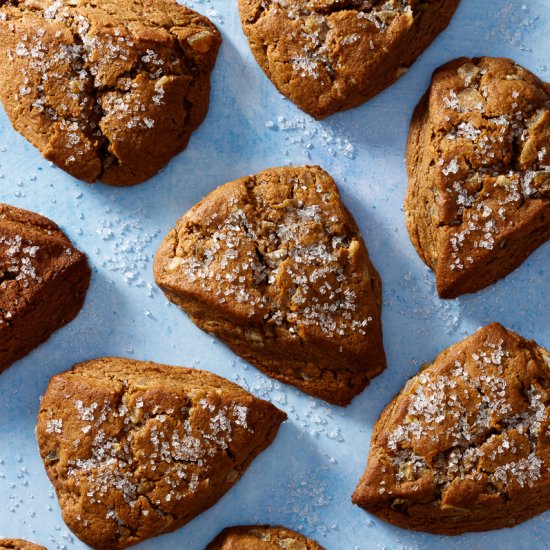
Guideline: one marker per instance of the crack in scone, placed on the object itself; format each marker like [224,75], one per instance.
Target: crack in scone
[465,446]
[479,172]
[107,91]
[274,265]
[330,55]
[139,449]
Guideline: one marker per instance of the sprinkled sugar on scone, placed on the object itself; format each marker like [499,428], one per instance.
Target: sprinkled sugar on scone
[331,55]
[18,544]
[43,281]
[136,449]
[261,537]
[479,172]
[465,446]
[274,265]
[108,90]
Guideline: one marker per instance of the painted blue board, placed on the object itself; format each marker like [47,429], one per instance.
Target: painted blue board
[305,479]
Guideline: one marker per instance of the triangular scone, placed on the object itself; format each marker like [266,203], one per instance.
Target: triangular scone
[108,90]
[261,537]
[43,281]
[479,172]
[273,264]
[18,544]
[465,446]
[135,449]
[328,55]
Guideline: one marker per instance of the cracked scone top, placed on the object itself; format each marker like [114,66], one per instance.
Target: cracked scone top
[274,265]
[18,544]
[331,55]
[110,90]
[136,449]
[43,281]
[465,446]
[261,537]
[478,160]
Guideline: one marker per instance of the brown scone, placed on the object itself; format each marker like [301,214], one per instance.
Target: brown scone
[331,55]
[261,537]
[136,449]
[274,265]
[465,446]
[18,544]
[110,90]
[478,160]
[43,281]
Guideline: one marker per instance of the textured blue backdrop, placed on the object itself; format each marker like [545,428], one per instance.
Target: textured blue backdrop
[306,478]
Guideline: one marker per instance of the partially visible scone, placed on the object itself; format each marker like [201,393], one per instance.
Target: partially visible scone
[136,449]
[465,446]
[478,160]
[261,537]
[43,281]
[18,544]
[107,90]
[331,55]
[274,265]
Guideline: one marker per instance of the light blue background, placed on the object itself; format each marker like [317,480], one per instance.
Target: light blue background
[305,479]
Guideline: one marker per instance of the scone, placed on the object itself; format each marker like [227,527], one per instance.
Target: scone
[43,281]
[478,160]
[465,446]
[331,55]
[261,537]
[108,90]
[136,449]
[18,544]
[274,265]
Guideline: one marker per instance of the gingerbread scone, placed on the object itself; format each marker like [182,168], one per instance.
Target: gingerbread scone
[43,281]
[465,446]
[327,55]
[261,537]
[136,449]
[274,265]
[110,90]
[478,160]
[18,544]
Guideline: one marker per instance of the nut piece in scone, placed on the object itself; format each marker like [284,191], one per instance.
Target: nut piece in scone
[274,265]
[261,537]
[18,544]
[327,55]
[478,160]
[465,446]
[110,90]
[136,449]
[43,281]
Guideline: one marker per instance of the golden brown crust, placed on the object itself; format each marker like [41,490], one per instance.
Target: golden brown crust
[43,281]
[331,55]
[465,446]
[18,544]
[136,449]
[110,90]
[274,265]
[261,537]
[478,160]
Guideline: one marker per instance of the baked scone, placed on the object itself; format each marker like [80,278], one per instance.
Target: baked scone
[43,281]
[261,537]
[18,544]
[274,265]
[331,55]
[465,446]
[478,160]
[136,449]
[108,90]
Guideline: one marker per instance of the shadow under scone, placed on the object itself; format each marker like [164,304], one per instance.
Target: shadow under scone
[274,265]
[136,449]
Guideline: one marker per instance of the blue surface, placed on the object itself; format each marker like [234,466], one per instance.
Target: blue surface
[305,479]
